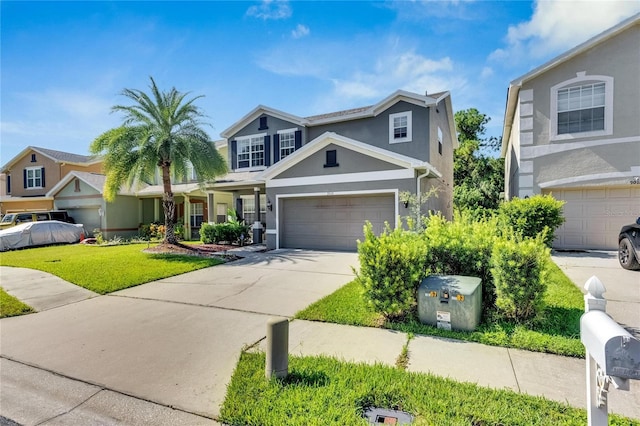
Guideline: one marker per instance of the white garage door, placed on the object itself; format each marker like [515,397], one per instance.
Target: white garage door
[333,223]
[594,216]
[88,217]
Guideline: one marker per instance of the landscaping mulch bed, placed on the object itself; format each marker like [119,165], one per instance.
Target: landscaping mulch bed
[204,250]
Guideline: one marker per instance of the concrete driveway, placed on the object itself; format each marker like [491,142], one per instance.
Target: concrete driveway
[172,343]
[623,287]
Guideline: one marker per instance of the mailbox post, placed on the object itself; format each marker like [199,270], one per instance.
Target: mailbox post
[612,353]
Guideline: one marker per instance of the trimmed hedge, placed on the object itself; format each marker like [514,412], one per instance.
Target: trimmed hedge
[228,231]
[391,268]
[533,216]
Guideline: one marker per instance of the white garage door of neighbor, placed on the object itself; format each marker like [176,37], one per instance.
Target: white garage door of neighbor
[88,217]
[594,216]
[333,223]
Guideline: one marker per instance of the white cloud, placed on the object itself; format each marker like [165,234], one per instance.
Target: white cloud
[486,72]
[271,9]
[300,31]
[559,25]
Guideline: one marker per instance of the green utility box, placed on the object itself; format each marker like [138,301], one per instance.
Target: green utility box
[450,302]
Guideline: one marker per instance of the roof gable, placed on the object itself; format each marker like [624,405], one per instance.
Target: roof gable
[52,154]
[94,180]
[257,112]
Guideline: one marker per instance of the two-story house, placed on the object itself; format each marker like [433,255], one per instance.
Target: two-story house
[314,181]
[30,175]
[572,129]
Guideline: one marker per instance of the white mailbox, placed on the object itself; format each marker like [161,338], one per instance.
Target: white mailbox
[613,348]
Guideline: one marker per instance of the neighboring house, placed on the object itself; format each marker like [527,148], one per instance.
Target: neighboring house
[572,129]
[316,180]
[30,175]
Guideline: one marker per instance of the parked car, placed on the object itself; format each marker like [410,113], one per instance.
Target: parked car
[13,219]
[629,246]
[40,233]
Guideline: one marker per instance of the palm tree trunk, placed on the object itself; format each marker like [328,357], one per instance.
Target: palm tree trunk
[169,207]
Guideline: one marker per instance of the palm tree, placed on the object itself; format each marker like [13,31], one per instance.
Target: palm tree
[159,131]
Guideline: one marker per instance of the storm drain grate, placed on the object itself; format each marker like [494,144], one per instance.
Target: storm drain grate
[377,416]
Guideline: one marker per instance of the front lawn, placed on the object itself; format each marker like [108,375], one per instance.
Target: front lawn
[324,391]
[105,269]
[10,306]
[557,330]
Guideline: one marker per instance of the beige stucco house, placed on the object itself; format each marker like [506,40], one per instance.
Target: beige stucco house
[572,129]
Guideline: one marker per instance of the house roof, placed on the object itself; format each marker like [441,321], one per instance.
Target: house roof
[337,116]
[94,180]
[333,138]
[516,84]
[57,156]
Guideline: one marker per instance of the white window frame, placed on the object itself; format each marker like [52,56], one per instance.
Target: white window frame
[249,205]
[250,140]
[33,178]
[195,210]
[392,127]
[580,80]
[292,148]
[440,143]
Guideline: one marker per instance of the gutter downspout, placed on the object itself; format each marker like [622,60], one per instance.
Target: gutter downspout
[419,191]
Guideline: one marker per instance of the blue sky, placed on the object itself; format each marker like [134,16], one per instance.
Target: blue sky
[65,63]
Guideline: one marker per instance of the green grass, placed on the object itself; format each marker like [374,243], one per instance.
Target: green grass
[105,269]
[324,391]
[557,330]
[11,307]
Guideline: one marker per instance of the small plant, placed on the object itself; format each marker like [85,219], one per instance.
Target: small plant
[97,234]
[519,275]
[391,268]
[530,217]
[416,220]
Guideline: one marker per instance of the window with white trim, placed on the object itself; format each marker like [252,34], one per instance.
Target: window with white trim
[400,127]
[439,140]
[197,214]
[251,151]
[582,107]
[287,142]
[34,177]
[249,208]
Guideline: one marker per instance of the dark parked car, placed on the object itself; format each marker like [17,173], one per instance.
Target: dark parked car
[629,246]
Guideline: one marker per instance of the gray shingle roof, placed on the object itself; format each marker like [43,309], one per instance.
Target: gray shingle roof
[66,156]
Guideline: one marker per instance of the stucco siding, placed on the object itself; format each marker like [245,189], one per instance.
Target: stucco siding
[52,175]
[375,130]
[349,161]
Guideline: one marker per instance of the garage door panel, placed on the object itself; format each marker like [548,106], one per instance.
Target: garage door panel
[332,223]
[594,216]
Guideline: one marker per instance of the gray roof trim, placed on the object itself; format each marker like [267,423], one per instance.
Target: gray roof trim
[94,180]
[516,84]
[57,156]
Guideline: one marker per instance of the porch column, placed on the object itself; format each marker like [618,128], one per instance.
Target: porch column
[257,225]
[211,218]
[186,219]
[156,210]
[140,212]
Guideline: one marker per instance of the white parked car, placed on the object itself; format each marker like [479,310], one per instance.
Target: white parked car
[43,233]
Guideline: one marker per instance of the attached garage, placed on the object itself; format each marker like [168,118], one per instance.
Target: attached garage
[594,216]
[332,222]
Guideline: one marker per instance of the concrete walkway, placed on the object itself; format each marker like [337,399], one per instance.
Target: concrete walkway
[164,352]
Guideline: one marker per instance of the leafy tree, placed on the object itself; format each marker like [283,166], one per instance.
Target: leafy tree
[162,130]
[478,178]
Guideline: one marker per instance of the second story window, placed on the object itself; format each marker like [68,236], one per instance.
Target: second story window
[287,143]
[400,129]
[251,152]
[34,177]
[581,108]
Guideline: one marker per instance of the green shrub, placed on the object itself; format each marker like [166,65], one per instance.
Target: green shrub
[391,268]
[518,268]
[462,247]
[228,231]
[530,217]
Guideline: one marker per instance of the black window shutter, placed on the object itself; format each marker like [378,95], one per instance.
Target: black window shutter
[42,174]
[234,155]
[8,184]
[276,148]
[239,208]
[267,150]
[24,177]
[298,139]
